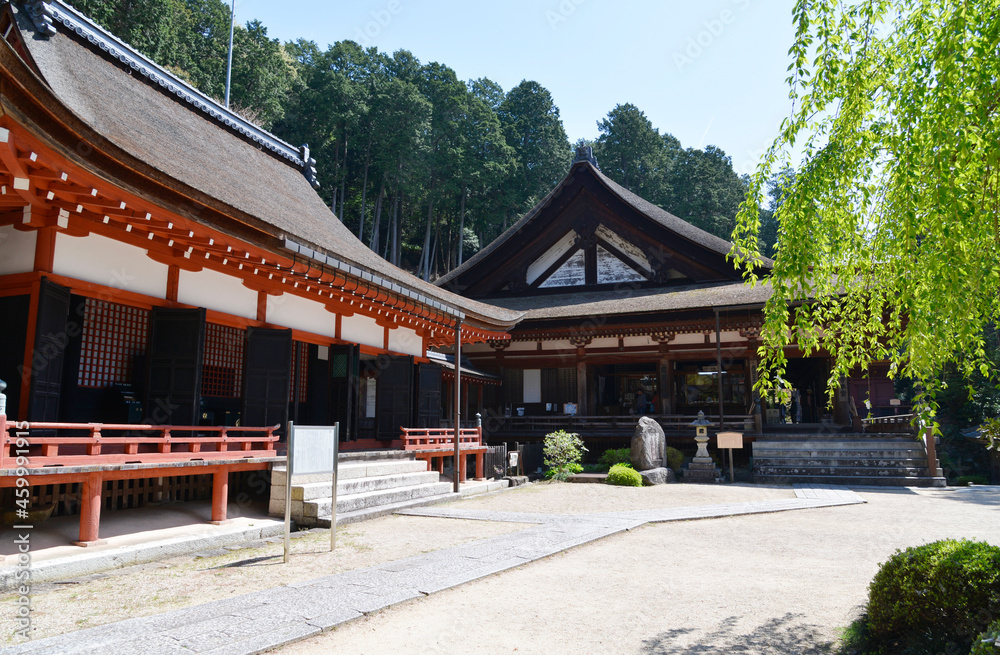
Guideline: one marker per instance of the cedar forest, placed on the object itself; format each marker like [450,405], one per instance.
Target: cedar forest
[425,168]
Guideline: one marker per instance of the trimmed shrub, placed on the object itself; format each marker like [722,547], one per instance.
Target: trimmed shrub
[988,643]
[935,597]
[568,470]
[624,476]
[675,458]
[563,449]
[616,456]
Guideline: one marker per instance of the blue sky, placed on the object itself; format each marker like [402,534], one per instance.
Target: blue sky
[710,72]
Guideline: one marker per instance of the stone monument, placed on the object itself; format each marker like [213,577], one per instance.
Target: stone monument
[649,452]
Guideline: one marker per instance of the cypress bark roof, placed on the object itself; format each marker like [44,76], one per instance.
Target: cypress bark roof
[678,226]
[633,301]
[195,148]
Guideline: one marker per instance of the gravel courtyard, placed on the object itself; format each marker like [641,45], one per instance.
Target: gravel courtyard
[781,583]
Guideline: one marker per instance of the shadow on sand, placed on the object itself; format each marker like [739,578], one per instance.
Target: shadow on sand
[786,635]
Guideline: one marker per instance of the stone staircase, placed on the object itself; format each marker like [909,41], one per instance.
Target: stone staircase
[370,483]
[843,459]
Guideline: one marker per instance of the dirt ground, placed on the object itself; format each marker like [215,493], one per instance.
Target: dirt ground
[158,587]
[767,584]
[771,583]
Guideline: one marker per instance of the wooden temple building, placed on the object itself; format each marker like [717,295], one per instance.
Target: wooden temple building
[173,290]
[165,263]
[628,310]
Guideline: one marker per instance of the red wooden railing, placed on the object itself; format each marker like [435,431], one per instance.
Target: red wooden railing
[434,444]
[441,438]
[140,444]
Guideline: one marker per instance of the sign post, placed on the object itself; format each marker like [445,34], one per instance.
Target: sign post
[730,440]
[311,450]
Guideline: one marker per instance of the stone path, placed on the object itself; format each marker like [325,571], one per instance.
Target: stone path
[255,622]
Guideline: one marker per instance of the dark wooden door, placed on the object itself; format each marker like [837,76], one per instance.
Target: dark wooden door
[51,339]
[344,381]
[393,396]
[428,396]
[267,377]
[176,351]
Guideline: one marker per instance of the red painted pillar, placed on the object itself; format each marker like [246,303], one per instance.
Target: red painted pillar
[479,466]
[90,510]
[220,494]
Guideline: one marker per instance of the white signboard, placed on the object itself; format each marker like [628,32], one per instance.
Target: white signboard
[312,449]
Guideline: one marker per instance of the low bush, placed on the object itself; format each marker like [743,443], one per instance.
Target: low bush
[616,456]
[566,471]
[934,598]
[563,452]
[675,458]
[988,643]
[966,480]
[624,475]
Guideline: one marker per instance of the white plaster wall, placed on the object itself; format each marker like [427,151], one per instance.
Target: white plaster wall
[522,345]
[631,342]
[532,385]
[684,339]
[406,341]
[218,291]
[603,342]
[298,313]
[726,336]
[363,330]
[550,257]
[17,250]
[104,261]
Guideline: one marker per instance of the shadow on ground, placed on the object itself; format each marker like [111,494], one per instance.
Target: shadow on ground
[787,635]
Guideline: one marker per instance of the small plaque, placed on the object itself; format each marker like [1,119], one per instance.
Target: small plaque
[730,439]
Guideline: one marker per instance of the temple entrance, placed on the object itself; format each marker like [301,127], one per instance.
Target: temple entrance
[626,389]
[807,377]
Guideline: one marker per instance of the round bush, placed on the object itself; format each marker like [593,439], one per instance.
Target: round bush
[675,458]
[935,597]
[616,456]
[624,476]
[988,643]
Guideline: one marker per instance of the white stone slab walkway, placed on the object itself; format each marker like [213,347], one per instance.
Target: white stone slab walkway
[255,622]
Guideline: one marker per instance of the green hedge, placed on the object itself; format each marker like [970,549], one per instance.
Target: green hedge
[616,456]
[624,476]
[934,598]
[988,643]
[675,459]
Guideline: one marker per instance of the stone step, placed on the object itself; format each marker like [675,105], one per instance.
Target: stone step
[369,455]
[853,481]
[354,469]
[351,486]
[840,471]
[321,506]
[909,444]
[849,462]
[344,518]
[842,455]
[837,436]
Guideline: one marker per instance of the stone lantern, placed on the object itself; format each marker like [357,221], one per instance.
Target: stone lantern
[702,468]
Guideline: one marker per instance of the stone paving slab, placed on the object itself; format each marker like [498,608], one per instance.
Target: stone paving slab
[258,621]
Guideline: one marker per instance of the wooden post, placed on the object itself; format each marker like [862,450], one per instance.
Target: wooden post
[718,369]
[458,400]
[220,495]
[90,510]
[932,466]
